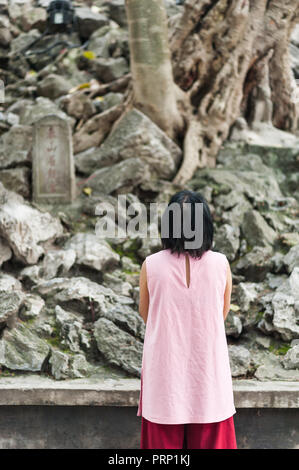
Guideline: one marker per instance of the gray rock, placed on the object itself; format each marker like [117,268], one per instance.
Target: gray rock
[107,70]
[129,265]
[3,123]
[207,193]
[291,285]
[255,264]
[39,108]
[271,368]
[93,252]
[17,179]
[117,12]
[294,55]
[233,325]
[41,317]
[247,294]
[172,8]
[18,106]
[30,274]
[291,358]
[263,341]
[82,295]
[79,106]
[99,41]
[232,157]
[234,216]
[295,35]
[5,251]
[291,259]
[20,349]
[265,324]
[57,263]
[12,119]
[263,135]
[71,66]
[53,86]
[79,293]
[110,99]
[32,18]
[89,21]
[5,34]
[93,158]
[70,328]
[44,330]
[4,5]
[284,203]
[116,282]
[289,239]
[9,283]
[118,211]
[59,364]
[277,221]
[109,42]
[15,146]
[80,367]
[10,304]
[285,304]
[227,201]
[64,366]
[32,307]
[256,230]
[227,240]
[266,327]
[127,174]
[149,244]
[126,318]
[275,280]
[240,360]
[90,204]
[23,39]
[137,136]
[257,186]
[277,262]
[136,295]
[85,340]
[243,247]
[118,347]
[24,227]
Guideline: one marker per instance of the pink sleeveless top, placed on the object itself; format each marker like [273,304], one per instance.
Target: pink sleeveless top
[185,373]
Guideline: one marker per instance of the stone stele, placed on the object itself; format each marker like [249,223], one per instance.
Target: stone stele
[52,159]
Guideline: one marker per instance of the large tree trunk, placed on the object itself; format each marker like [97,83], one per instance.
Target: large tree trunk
[230,58]
[155,92]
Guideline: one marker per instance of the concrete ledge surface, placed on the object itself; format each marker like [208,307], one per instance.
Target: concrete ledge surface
[39,390]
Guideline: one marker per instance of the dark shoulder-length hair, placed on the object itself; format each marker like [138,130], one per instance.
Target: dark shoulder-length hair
[175,239]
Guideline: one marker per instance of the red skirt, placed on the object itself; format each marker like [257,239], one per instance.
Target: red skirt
[219,435]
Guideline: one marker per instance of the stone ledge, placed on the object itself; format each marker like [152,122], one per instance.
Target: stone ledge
[274,394]
[35,390]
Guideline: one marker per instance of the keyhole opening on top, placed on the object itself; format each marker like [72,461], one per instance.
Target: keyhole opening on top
[187,271]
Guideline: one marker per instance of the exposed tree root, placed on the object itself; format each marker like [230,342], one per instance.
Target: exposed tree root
[192,145]
[116,86]
[232,57]
[96,129]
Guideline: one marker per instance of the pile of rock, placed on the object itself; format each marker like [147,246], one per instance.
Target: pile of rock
[255,208]
[294,48]
[69,299]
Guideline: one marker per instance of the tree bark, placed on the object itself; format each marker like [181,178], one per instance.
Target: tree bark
[228,59]
[155,92]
